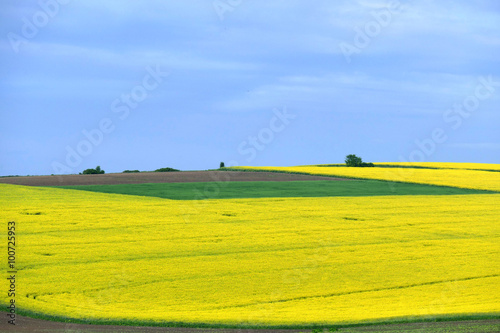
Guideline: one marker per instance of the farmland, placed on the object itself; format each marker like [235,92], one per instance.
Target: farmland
[462,178]
[158,177]
[465,166]
[139,257]
[270,189]
[431,165]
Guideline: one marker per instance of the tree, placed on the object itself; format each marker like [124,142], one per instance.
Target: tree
[166,169]
[221,165]
[95,171]
[353,160]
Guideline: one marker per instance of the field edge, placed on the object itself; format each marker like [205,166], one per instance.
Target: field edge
[339,325]
[359,178]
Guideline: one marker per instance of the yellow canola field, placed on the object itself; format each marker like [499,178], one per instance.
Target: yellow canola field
[442,165]
[473,179]
[252,261]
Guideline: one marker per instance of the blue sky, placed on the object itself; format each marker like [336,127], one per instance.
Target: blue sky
[188,84]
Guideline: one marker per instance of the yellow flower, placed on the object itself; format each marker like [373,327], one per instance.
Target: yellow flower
[455,177]
[269,261]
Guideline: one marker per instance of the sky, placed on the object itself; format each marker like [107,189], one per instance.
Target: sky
[188,84]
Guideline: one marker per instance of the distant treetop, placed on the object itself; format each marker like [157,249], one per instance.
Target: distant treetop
[95,171]
[166,170]
[355,161]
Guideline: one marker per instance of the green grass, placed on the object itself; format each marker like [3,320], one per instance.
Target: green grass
[266,189]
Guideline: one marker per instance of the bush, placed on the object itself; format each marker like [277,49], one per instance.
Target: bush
[130,171]
[221,165]
[96,171]
[166,170]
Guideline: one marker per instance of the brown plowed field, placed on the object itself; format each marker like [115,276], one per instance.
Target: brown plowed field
[159,177]
[24,324]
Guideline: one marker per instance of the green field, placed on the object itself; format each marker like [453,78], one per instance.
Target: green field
[320,188]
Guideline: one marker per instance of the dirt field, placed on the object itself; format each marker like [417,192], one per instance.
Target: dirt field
[158,177]
[24,324]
